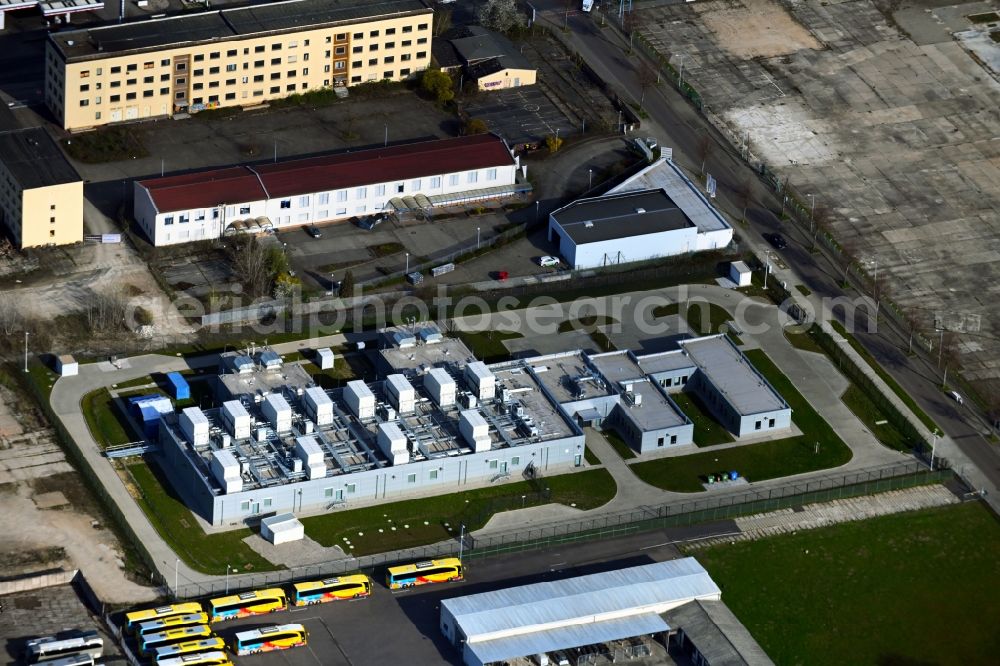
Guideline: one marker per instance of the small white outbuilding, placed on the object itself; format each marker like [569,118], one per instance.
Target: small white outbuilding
[67,366]
[282,528]
[740,273]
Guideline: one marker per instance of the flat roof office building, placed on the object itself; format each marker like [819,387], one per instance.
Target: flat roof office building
[209,204]
[41,194]
[241,56]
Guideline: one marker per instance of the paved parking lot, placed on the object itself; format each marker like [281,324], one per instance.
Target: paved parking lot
[895,136]
[521,115]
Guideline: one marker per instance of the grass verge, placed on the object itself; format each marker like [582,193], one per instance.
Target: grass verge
[819,447]
[885,582]
[618,444]
[804,340]
[111,144]
[488,345]
[418,522]
[886,377]
[874,419]
[707,431]
[207,553]
[107,425]
[586,323]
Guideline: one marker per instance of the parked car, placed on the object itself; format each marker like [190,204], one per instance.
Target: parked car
[957,397]
[548,261]
[314,231]
[370,222]
[776,240]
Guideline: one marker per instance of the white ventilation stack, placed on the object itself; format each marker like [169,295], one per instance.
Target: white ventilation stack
[475,430]
[237,419]
[318,405]
[226,469]
[308,450]
[441,386]
[392,442]
[277,411]
[360,399]
[482,381]
[401,393]
[194,425]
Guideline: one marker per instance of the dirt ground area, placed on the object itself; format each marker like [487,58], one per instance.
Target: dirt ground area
[891,125]
[47,515]
[46,612]
[756,29]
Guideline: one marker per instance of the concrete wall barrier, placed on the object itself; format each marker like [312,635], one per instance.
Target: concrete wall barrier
[37,581]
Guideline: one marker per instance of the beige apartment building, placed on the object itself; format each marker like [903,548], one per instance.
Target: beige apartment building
[243,56]
[41,194]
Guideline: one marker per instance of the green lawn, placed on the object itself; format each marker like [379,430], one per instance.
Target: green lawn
[757,462]
[666,310]
[804,290]
[107,424]
[110,144]
[803,340]
[706,322]
[869,413]
[886,377]
[345,369]
[432,519]
[175,524]
[586,323]
[707,431]
[910,589]
[488,345]
[618,444]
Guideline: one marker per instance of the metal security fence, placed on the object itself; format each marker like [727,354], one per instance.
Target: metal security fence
[606,526]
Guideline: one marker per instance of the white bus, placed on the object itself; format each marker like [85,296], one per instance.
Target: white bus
[53,647]
[73,660]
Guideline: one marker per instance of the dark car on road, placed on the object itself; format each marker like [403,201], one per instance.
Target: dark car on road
[314,231]
[776,240]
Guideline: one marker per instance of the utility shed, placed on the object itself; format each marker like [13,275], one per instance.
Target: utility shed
[237,419]
[740,273]
[441,387]
[318,405]
[360,399]
[178,386]
[67,366]
[269,360]
[149,409]
[392,442]
[194,425]
[482,381]
[226,469]
[520,622]
[709,633]
[325,358]
[401,393]
[277,411]
[282,528]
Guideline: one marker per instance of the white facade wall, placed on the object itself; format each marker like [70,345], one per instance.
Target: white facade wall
[623,250]
[168,227]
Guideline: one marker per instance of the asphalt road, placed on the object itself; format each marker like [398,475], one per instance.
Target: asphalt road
[677,124]
[352,633]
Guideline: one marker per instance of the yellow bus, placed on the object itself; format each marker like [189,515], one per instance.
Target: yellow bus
[211,644]
[171,622]
[257,602]
[331,589]
[265,639]
[199,659]
[135,617]
[420,573]
[149,642]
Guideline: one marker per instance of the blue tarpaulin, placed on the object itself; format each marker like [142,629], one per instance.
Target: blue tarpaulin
[178,386]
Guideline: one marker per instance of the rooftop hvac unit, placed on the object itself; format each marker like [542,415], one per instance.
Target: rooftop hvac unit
[261,434]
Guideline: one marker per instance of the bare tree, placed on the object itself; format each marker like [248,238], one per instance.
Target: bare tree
[442,21]
[820,222]
[11,317]
[648,76]
[705,148]
[744,196]
[500,15]
[950,355]
[912,324]
[105,311]
[252,264]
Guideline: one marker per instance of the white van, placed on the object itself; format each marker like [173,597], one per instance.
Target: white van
[956,396]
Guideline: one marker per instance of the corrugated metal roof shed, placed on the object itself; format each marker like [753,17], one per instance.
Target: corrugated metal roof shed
[530,608]
[563,638]
[181,389]
[719,636]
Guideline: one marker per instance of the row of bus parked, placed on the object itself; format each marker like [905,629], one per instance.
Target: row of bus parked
[180,634]
[74,648]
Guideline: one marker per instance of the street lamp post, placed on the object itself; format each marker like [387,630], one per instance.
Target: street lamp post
[933,446]
[177,564]
[477,237]
[874,263]
[407,263]
[227,578]
[767,268]
[461,543]
[26,334]
[812,215]
[386,143]
[590,175]
[538,211]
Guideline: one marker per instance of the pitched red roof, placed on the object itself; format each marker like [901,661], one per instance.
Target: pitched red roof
[328,172]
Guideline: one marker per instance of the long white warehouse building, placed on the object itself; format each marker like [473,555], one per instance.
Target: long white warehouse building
[208,204]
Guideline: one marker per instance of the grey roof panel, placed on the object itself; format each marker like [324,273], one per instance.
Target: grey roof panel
[563,638]
[527,606]
[719,636]
[621,216]
[732,374]
[34,159]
